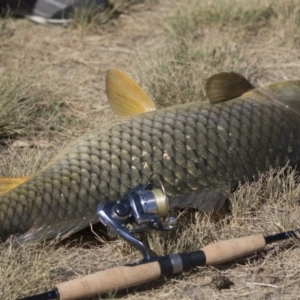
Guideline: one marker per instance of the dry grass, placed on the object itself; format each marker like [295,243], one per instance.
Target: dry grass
[243,17]
[171,47]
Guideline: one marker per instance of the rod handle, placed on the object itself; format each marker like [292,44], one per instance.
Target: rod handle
[109,280]
[224,251]
[127,276]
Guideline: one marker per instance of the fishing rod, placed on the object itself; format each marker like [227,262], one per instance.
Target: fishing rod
[143,208]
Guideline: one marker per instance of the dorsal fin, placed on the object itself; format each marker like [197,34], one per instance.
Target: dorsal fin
[224,86]
[9,183]
[126,97]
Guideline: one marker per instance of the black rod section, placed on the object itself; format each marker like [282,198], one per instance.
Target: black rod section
[282,236]
[52,295]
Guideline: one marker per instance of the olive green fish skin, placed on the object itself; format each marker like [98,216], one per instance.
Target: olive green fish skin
[197,149]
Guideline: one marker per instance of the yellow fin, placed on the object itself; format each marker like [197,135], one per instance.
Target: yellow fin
[126,97]
[225,86]
[9,183]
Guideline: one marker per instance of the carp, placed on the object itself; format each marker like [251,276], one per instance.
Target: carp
[199,150]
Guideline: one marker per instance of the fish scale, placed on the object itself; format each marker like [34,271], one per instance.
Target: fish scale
[199,150]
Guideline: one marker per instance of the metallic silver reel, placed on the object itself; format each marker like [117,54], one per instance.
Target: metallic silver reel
[143,208]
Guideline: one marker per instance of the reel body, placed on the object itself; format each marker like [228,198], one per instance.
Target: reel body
[143,208]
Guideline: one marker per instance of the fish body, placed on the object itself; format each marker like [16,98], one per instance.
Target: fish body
[199,150]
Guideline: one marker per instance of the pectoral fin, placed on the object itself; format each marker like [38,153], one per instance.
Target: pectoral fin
[9,183]
[205,201]
[225,86]
[126,97]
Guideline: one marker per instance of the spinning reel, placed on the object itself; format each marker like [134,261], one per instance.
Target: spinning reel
[142,208]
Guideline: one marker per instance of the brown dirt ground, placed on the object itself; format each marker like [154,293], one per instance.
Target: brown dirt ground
[70,66]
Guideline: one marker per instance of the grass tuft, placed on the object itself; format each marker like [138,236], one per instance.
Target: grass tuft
[27,111]
[90,16]
[16,106]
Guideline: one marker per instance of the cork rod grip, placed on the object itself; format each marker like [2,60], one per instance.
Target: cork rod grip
[125,277]
[224,251]
[108,280]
